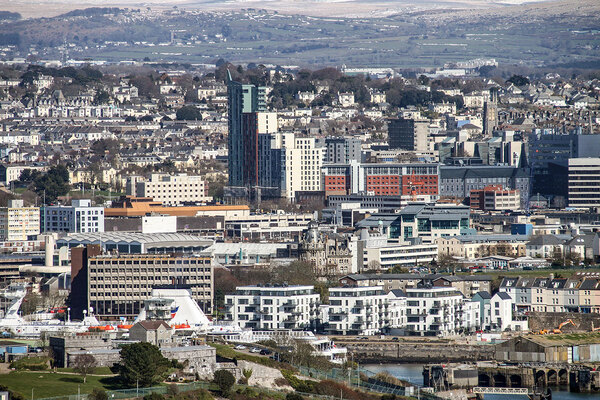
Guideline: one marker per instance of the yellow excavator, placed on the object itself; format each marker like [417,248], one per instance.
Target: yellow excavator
[563,324]
[557,330]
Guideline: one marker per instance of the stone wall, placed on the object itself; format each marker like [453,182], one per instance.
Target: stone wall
[550,321]
[262,376]
[418,351]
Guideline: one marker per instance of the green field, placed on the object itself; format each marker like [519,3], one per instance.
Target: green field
[49,384]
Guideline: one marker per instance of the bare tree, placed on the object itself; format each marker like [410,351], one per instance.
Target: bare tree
[84,364]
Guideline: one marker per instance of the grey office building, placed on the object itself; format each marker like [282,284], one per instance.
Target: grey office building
[408,134]
[342,150]
[459,181]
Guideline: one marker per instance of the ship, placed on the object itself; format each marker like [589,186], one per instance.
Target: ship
[14,325]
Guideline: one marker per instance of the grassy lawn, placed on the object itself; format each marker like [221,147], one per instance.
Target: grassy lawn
[97,371]
[226,351]
[53,384]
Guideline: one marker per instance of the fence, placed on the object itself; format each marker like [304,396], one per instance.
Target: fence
[351,377]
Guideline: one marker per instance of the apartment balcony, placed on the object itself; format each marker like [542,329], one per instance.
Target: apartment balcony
[339,313]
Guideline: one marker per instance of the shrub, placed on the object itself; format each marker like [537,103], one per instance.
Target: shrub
[154,396]
[225,380]
[98,394]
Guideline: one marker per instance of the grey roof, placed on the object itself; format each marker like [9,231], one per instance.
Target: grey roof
[544,240]
[480,171]
[585,240]
[373,220]
[484,295]
[412,209]
[589,284]
[398,293]
[488,238]
[504,296]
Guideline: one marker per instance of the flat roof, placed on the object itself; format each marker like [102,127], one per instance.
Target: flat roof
[148,239]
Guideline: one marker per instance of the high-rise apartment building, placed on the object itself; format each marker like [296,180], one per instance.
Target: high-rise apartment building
[18,222]
[408,134]
[171,190]
[244,101]
[291,163]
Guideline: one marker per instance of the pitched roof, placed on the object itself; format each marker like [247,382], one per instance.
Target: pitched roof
[544,240]
[503,295]
[153,325]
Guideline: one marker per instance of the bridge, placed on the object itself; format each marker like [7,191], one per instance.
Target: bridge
[531,393]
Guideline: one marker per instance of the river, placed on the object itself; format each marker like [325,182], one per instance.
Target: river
[414,374]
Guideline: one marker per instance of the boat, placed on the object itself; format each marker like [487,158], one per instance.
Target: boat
[17,326]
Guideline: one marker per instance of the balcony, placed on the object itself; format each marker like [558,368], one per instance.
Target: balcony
[339,313]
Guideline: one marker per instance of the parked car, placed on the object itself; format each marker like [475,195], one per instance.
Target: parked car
[265,352]
[255,350]
[240,347]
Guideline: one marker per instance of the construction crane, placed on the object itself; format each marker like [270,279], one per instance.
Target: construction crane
[412,184]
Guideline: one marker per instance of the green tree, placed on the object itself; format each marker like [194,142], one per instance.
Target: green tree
[188,113]
[102,97]
[295,273]
[225,380]
[52,184]
[143,364]
[518,80]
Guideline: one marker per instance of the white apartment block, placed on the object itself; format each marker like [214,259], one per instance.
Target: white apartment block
[391,255]
[173,190]
[436,311]
[363,310]
[18,222]
[273,307]
[584,179]
[79,217]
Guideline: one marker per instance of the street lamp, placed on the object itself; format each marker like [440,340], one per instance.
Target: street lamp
[68,314]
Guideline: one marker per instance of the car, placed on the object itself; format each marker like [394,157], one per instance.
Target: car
[363,338]
[255,350]
[240,347]
[265,352]
[395,339]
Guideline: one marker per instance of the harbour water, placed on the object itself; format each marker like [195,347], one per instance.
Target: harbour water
[414,373]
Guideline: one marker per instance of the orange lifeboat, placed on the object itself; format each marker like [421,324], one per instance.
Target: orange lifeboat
[101,328]
[124,327]
[182,326]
